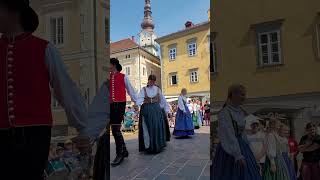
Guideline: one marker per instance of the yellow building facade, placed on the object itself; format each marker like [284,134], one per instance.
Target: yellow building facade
[80,31]
[274,51]
[185,61]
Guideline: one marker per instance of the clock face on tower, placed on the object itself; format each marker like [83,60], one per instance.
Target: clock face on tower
[147,41]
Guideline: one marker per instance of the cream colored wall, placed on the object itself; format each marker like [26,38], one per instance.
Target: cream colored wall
[183,64]
[236,47]
[71,51]
[133,62]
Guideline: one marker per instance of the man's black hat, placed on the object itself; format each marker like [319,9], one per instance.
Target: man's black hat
[29,18]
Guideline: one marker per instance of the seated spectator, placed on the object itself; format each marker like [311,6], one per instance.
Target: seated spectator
[60,151]
[68,153]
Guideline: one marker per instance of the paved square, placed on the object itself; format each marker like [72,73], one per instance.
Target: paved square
[183,159]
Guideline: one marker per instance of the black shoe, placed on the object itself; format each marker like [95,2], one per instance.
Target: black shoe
[118,160]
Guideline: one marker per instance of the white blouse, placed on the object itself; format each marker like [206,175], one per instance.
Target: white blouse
[273,146]
[181,101]
[152,91]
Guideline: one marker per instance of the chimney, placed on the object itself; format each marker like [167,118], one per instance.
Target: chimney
[188,24]
[132,38]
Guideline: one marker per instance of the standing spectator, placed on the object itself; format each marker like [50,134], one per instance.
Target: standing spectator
[257,143]
[284,134]
[309,146]
[68,153]
[293,150]
[275,166]
[207,113]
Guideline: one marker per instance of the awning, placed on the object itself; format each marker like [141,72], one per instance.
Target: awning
[172,99]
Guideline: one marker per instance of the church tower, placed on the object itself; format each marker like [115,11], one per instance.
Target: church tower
[147,34]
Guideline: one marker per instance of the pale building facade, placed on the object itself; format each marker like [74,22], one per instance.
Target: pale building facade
[137,63]
[80,31]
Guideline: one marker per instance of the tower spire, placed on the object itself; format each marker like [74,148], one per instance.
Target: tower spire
[147,23]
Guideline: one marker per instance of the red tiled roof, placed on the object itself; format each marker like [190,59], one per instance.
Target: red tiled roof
[122,45]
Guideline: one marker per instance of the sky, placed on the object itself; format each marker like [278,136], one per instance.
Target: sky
[168,15]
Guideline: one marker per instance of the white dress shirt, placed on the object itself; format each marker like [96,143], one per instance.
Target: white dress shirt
[130,89]
[66,91]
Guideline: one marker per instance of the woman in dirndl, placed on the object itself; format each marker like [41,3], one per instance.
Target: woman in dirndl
[284,134]
[275,166]
[233,159]
[153,123]
[183,124]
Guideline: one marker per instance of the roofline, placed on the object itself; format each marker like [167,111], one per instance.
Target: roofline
[188,30]
[123,50]
[137,47]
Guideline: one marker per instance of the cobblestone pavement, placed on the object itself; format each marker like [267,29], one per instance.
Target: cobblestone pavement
[183,159]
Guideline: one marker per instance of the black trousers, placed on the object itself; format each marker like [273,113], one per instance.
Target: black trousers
[24,152]
[117,110]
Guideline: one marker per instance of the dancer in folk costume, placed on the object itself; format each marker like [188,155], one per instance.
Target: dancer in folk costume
[283,135]
[309,146]
[183,123]
[233,159]
[153,123]
[275,166]
[119,85]
[28,65]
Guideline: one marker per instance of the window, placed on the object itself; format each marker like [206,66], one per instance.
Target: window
[192,49]
[57,30]
[128,56]
[173,79]
[269,48]
[213,57]
[173,53]
[127,70]
[194,76]
[151,71]
[318,38]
